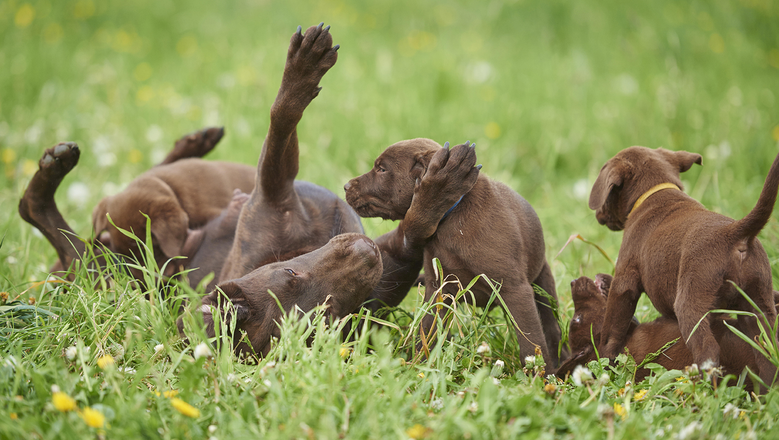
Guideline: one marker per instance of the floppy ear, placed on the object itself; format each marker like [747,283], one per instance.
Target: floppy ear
[99,219]
[608,178]
[240,306]
[421,161]
[230,303]
[169,226]
[683,160]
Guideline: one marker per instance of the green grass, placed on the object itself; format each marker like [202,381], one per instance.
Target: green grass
[548,91]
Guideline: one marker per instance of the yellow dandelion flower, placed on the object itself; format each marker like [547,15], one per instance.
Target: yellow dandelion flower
[106,361]
[417,431]
[93,417]
[14,416]
[167,394]
[421,375]
[620,411]
[29,167]
[621,392]
[550,388]
[24,15]
[134,156]
[344,352]
[185,408]
[8,156]
[63,402]
[492,130]
[640,394]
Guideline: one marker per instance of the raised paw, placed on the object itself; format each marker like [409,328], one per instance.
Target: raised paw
[54,165]
[197,144]
[58,160]
[309,57]
[451,172]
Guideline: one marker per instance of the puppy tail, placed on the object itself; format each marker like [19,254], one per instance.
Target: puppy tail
[751,225]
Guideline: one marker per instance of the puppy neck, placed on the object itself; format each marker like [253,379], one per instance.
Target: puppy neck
[651,191]
[446,214]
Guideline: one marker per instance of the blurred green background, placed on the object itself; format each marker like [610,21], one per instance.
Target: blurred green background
[549,90]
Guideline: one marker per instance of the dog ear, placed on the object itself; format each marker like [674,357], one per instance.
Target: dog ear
[240,306]
[169,226]
[421,161]
[99,219]
[682,159]
[608,178]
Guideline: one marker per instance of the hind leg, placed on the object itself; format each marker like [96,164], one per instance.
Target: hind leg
[549,323]
[196,144]
[38,208]
[520,302]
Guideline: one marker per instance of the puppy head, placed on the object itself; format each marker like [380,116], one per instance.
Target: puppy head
[169,222]
[629,174]
[386,190]
[589,302]
[340,274]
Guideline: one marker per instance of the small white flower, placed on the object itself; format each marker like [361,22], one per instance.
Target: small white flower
[530,361]
[473,407]
[267,383]
[499,363]
[731,410]
[202,350]
[127,370]
[580,375]
[689,430]
[707,365]
[158,348]
[231,377]
[604,379]
[71,352]
[211,429]
[55,389]
[437,404]
[495,381]
[483,349]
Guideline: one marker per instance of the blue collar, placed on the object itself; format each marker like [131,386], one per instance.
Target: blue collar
[452,208]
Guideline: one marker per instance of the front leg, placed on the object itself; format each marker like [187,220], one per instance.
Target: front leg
[309,57]
[620,308]
[196,144]
[449,176]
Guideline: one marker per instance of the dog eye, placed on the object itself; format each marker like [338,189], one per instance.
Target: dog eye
[291,272]
[380,169]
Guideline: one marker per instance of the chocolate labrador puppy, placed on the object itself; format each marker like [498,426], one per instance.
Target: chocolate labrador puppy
[589,301]
[39,208]
[687,259]
[339,275]
[491,230]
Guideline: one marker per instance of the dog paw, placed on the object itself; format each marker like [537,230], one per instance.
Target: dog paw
[58,160]
[451,173]
[199,143]
[309,57]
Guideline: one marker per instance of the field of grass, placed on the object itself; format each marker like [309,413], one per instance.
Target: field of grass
[549,90]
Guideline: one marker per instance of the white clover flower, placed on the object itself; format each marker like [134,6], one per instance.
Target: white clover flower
[158,348]
[71,352]
[127,370]
[437,404]
[231,377]
[707,365]
[499,363]
[495,381]
[731,410]
[604,379]
[689,430]
[483,349]
[202,350]
[473,407]
[211,429]
[530,361]
[55,389]
[580,375]
[267,383]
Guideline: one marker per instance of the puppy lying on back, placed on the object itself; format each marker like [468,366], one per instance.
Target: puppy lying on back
[339,274]
[686,258]
[492,230]
[589,301]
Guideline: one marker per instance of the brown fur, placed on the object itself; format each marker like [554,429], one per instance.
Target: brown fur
[589,300]
[340,274]
[682,255]
[492,231]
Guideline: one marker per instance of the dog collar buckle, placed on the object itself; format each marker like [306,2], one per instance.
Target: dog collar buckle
[651,191]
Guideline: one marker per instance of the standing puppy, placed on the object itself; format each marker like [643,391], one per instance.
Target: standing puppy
[492,230]
[683,256]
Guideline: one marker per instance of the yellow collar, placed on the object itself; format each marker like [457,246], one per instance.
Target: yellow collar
[653,190]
